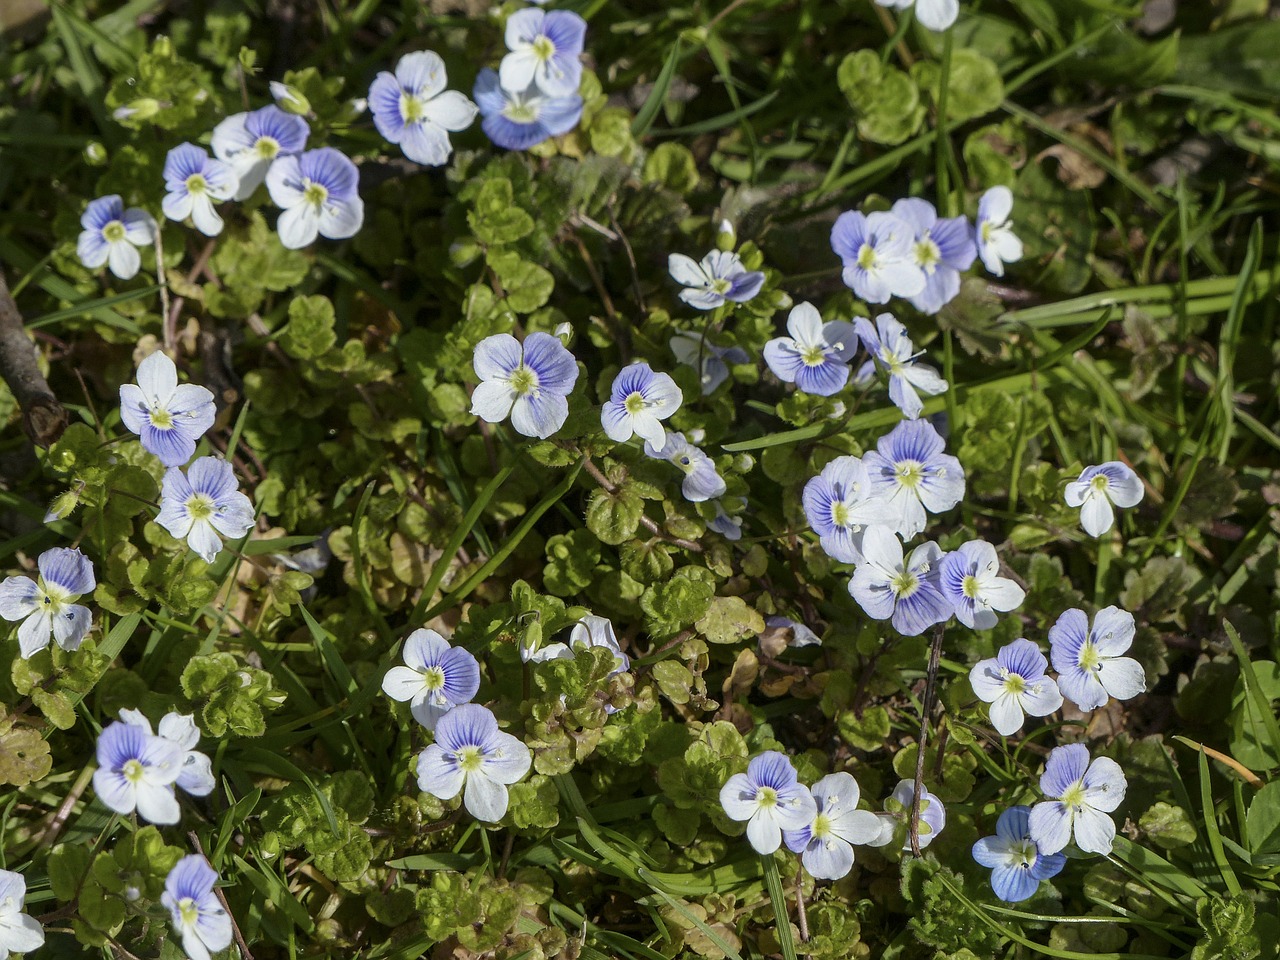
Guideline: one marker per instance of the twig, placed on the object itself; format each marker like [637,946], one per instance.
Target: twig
[648,524]
[170,323]
[222,899]
[801,917]
[621,335]
[63,812]
[43,417]
[926,708]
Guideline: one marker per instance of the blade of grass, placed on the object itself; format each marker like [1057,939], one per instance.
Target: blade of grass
[1211,829]
[648,112]
[779,898]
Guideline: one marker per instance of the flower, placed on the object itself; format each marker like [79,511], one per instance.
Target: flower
[816,355]
[826,844]
[317,192]
[545,48]
[909,469]
[137,770]
[933,815]
[1081,794]
[413,108]
[590,631]
[203,503]
[111,235]
[1097,488]
[638,400]
[1090,668]
[877,255]
[933,14]
[19,933]
[1017,862]
[892,349]
[942,249]
[970,581]
[701,481]
[719,277]
[250,142]
[712,362]
[169,418]
[531,383]
[196,776]
[994,237]
[908,592]
[729,527]
[839,506]
[46,606]
[1013,682]
[435,679]
[195,909]
[518,120]
[470,751]
[801,635]
[192,181]
[770,798]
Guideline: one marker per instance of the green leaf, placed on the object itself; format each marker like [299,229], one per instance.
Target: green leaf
[309,332]
[613,517]
[495,218]
[527,286]
[728,620]
[1263,820]
[1168,826]
[885,101]
[975,87]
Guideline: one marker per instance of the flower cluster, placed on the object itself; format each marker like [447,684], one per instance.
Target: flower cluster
[138,769]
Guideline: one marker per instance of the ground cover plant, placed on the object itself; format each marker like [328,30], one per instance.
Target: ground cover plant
[723,480]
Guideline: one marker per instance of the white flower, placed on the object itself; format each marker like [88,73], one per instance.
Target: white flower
[1097,488]
[997,244]
[19,933]
[1014,682]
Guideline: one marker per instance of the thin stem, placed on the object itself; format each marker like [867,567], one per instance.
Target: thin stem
[650,525]
[926,708]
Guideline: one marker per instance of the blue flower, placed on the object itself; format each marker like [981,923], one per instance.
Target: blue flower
[942,249]
[826,844]
[701,481]
[518,120]
[1017,863]
[137,771]
[470,752]
[1097,488]
[711,362]
[770,798]
[905,591]
[801,635]
[19,933]
[892,350]
[169,418]
[1014,682]
[719,277]
[413,108]
[1080,796]
[933,815]
[46,606]
[995,239]
[195,909]
[971,582]
[839,505]
[250,142]
[727,525]
[180,729]
[530,383]
[192,181]
[877,255]
[203,503]
[816,355]
[435,679]
[111,235]
[545,48]
[1088,659]
[317,192]
[638,401]
[910,471]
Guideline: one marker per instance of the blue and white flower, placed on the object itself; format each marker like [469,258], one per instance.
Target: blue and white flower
[472,756]
[770,798]
[942,249]
[801,635]
[137,771]
[839,505]
[996,242]
[195,910]
[192,181]
[1080,795]
[719,277]
[933,14]
[413,108]
[545,51]
[317,192]
[639,401]
[530,383]
[590,631]
[971,581]
[892,350]
[877,254]
[701,481]
[46,606]
[1017,863]
[202,503]
[169,418]
[436,677]
[1097,488]
[19,933]
[518,120]
[111,235]
[933,815]
[1088,658]
[726,524]
[1014,683]
[826,845]
[904,591]
[250,142]
[910,471]
[711,362]
[816,355]
[180,729]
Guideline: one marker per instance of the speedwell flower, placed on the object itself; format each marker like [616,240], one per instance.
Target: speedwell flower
[317,192]
[933,815]
[1088,659]
[711,362]
[701,481]
[971,581]
[1097,488]
[195,909]
[770,798]
[727,525]
[877,255]
[942,249]
[892,350]
[995,239]
[638,401]
[19,933]
[192,181]
[46,606]
[169,418]
[910,471]
[471,752]
[180,729]
[719,277]
[413,108]
[529,382]
[137,771]
[826,845]
[816,355]
[933,14]
[436,677]
[251,141]
[1080,797]
[518,120]
[839,505]
[111,235]
[202,503]
[905,591]
[1017,863]
[1014,683]
[545,48]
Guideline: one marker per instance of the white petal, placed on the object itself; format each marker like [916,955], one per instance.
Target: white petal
[1096,516]
[1095,832]
[764,833]
[1006,715]
[685,270]
[485,799]
[738,798]
[123,260]
[157,804]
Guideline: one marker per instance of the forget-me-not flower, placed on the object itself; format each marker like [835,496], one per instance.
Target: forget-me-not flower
[317,193]
[192,181]
[839,506]
[639,401]
[180,729]
[910,471]
[168,417]
[413,108]
[137,771]
[545,48]
[971,581]
[473,756]
[816,355]
[251,141]
[996,242]
[933,14]
[719,277]
[711,362]
[1097,488]
[826,845]
[46,606]
[1017,863]
[770,798]
[904,591]
[701,481]
[202,503]
[877,255]
[111,235]
[436,677]
[892,350]
[520,119]
[1080,795]
[19,933]
[933,815]
[1014,683]
[195,909]
[531,382]
[1088,659]
[942,249]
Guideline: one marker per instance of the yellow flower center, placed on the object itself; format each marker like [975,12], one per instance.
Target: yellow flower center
[113,232]
[970,586]
[821,825]
[200,507]
[161,419]
[904,583]
[1073,797]
[1099,483]
[543,48]
[866,256]
[909,473]
[133,770]
[189,912]
[928,255]
[314,193]
[411,108]
[767,797]
[524,380]
[433,678]
[267,148]
[634,403]
[813,356]
[1089,657]
[470,759]
[1013,683]
[196,183]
